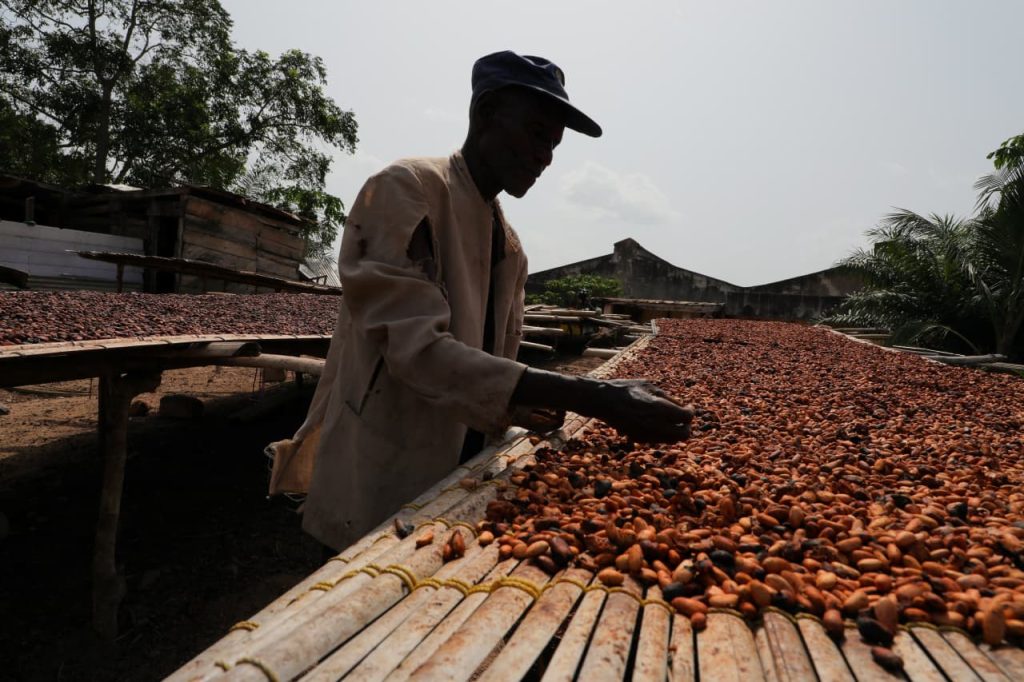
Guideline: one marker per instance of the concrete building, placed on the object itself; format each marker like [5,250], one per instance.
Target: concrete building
[646,276]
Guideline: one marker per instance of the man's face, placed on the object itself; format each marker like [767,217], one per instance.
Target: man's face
[519,137]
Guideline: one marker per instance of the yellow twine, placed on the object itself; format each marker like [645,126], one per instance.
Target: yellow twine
[247,625]
[571,581]
[429,582]
[323,585]
[271,675]
[467,526]
[518,583]
[338,558]
[659,602]
[457,584]
[406,575]
[223,665]
[413,506]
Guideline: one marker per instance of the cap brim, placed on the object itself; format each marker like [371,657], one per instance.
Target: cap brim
[574,118]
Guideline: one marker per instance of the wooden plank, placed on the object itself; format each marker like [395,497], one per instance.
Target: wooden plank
[1009,658]
[982,665]
[608,653]
[825,655]
[944,655]
[227,247]
[726,650]
[651,662]
[916,663]
[858,656]
[193,252]
[566,659]
[537,629]
[791,659]
[682,651]
[235,217]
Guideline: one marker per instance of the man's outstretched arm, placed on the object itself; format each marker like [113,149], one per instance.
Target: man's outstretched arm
[636,408]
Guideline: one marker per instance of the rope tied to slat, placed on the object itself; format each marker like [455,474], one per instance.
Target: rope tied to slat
[339,558]
[247,625]
[264,668]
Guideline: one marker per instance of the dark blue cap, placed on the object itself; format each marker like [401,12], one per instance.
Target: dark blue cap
[506,68]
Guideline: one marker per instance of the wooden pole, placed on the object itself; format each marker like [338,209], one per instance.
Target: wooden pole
[312,366]
[116,393]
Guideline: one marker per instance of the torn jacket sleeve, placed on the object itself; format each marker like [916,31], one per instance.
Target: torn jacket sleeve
[397,306]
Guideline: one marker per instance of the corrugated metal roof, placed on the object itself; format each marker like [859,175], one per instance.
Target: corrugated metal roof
[320,269]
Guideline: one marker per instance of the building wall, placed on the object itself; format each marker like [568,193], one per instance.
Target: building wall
[236,239]
[645,275]
[43,252]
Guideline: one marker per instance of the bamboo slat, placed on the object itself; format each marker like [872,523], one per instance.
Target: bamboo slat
[428,635]
[825,655]
[858,656]
[682,651]
[608,654]
[944,655]
[537,629]
[462,653]
[916,663]
[323,626]
[765,653]
[726,650]
[788,652]
[1010,659]
[478,562]
[655,631]
[569,653]
[982,665]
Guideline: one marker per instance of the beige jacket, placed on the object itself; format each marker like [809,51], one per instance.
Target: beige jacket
[405,374]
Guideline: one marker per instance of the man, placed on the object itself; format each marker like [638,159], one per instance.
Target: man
[422,362]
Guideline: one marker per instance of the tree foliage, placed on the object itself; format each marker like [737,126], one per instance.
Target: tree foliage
[565,291]
[153,93]
[945,281]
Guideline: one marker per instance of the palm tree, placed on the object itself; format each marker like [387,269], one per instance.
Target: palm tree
[999,254]
[918,282]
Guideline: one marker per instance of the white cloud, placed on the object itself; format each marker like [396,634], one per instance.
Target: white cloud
[629,197]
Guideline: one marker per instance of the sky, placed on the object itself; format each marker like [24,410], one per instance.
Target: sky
[751,141]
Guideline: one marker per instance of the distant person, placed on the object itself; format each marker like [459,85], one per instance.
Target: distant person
[421,368]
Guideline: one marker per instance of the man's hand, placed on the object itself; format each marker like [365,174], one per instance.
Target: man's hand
[541,420]
[642,411]
[636,408]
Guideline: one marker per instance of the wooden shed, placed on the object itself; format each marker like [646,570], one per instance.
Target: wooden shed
[191,222]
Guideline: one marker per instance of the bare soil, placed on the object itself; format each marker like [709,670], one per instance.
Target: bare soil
[200,546]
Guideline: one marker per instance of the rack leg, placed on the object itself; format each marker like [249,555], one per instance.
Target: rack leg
[115,397]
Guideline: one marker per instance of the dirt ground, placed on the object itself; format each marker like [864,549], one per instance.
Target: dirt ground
[200,545]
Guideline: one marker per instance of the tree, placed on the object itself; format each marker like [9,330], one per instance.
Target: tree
[565,291]
[948,281]
[916,282]
[153,93]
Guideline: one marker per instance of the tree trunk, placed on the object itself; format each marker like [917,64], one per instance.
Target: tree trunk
[99,169]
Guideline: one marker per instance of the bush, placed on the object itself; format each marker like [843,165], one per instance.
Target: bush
[565,291]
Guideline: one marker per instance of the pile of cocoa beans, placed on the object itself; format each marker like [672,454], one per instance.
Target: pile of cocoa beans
[823,476]
[44,317]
